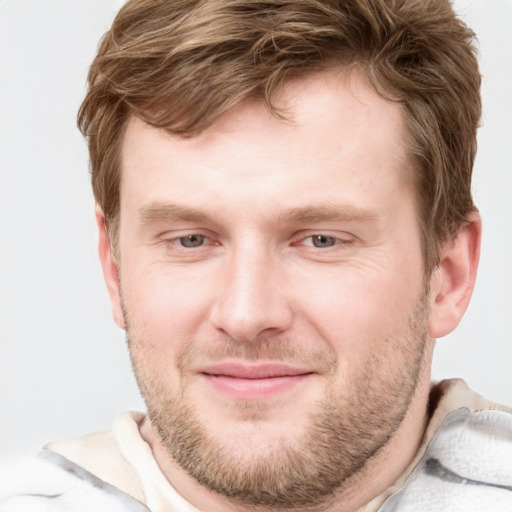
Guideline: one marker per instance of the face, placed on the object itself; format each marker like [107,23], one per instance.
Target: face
[273,291]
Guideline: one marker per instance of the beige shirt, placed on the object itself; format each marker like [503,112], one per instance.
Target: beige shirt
[123,459]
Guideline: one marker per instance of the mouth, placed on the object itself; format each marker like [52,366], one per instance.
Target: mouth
[253,381]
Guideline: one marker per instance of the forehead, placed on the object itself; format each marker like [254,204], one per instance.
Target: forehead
[337,130]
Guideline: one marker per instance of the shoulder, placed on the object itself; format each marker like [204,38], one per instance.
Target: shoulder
[82,474]
[467,460]
[51,483]
[451,394]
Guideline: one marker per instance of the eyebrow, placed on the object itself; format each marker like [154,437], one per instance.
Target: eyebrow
[159,212]
[327,212]
[167,212]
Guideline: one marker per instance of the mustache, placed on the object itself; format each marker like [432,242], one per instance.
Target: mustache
[264,348]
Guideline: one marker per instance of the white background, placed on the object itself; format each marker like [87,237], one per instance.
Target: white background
[63,363]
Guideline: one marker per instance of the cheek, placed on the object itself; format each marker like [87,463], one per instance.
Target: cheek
[164,307]
[355,311]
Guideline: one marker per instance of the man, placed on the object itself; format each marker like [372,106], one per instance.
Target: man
[286,226]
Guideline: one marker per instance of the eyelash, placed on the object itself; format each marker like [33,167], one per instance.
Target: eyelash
[318,238]
[178,241]
[204,238]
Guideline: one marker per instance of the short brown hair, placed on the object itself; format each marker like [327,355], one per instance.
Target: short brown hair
[180,64]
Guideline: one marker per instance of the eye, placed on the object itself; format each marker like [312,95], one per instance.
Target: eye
[191,241]
[322,241]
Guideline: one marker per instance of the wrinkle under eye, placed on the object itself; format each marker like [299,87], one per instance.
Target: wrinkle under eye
[191,241]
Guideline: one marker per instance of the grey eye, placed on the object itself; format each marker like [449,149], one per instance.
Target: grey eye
[323,241]
[191,241]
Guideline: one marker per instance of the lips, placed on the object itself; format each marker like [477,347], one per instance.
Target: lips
[246,381]
[259,371]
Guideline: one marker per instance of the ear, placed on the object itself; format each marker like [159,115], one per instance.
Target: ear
[453,281]
[110,268]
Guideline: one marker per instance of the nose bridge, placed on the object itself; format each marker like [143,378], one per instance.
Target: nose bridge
[249,300]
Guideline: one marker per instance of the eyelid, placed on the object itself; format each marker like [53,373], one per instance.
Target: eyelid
[336,241]
[180,233]
[172,238]
[341,238]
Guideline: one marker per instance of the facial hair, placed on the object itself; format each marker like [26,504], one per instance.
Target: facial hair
[345,431]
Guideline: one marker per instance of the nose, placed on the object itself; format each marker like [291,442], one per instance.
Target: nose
[251,300]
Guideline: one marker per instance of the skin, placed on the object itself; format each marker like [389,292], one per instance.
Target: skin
[350,313]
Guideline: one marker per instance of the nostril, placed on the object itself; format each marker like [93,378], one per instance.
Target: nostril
[248,324]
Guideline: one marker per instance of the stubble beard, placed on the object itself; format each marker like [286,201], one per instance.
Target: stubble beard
[342,435]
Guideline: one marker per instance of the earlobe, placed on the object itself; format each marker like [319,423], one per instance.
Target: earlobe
[110,268]
[453,281]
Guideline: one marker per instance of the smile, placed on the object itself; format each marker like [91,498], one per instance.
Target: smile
[252,382]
